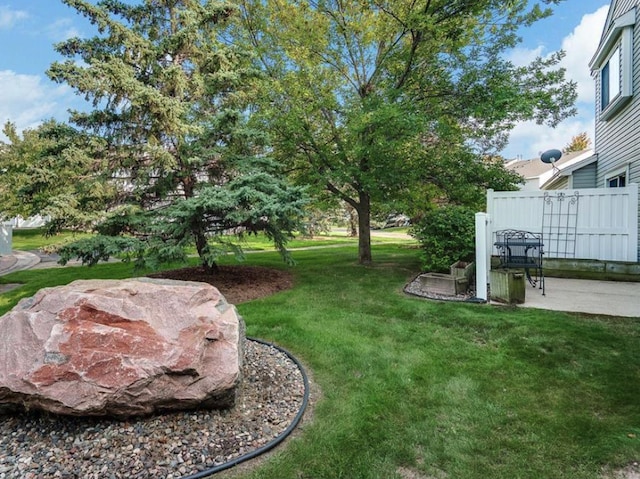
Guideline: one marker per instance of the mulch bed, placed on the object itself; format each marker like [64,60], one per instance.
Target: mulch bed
[237,283]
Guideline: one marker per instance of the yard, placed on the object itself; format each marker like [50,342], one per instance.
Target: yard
[415,389]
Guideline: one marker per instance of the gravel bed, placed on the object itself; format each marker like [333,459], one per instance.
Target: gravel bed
[39,445]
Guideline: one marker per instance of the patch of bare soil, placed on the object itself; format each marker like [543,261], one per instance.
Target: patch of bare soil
[237,283]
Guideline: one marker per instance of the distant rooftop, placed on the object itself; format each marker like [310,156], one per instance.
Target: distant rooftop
[534,167]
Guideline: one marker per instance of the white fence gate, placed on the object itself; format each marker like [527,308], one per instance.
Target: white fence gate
[606,223]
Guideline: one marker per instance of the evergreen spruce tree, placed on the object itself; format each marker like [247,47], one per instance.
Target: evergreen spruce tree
[169,100]
[52,170]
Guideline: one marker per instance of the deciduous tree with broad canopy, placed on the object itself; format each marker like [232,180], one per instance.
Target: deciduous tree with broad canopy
[399,102]
[169,100]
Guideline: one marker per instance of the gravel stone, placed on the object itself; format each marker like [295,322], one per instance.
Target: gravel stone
[414,288]
[42,445]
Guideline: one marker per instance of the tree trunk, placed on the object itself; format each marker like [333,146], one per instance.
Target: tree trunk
[353,221]
[364,229]
[201,246]
[188,185]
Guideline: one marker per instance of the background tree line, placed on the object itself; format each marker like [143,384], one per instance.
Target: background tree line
[208,117]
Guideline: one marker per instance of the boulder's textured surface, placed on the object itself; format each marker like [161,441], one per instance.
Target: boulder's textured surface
[130,347]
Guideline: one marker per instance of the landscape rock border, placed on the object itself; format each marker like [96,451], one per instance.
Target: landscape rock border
[414,288]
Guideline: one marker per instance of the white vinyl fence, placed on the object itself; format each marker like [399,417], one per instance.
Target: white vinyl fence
[601,224]
[30,222]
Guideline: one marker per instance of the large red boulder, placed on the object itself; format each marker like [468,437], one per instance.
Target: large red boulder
[130,347]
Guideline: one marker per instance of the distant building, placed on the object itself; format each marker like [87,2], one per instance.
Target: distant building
[573,170]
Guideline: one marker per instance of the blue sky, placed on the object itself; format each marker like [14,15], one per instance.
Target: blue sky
[29,28]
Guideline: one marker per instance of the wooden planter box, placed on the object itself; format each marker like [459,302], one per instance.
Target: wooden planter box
[445,284]
[462,269]
[507,286]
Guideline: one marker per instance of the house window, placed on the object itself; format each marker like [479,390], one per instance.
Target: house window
[612,65]
[617,178]
[618,181]
[610,79]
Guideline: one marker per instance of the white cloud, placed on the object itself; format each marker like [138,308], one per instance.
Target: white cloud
[534,139]
[580,45]
[528,139]
[62,29]
[9,17]
[524,56]
[26,100]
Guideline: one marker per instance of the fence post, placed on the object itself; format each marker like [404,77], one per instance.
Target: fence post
[490,199]
[633,253]
[483,256]
[6,238]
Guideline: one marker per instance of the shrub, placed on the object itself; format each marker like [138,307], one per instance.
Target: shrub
[446,235]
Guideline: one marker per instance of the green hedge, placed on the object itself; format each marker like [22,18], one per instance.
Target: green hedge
[446,235]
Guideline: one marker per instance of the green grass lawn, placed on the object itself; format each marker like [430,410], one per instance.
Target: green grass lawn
[432,390]
[28,239]
[260,242]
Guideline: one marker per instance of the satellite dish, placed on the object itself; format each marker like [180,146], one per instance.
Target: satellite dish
[551,156]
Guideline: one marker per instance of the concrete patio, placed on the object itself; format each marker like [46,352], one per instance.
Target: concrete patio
[611,298]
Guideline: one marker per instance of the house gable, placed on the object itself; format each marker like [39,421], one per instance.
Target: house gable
[617,8]
[579,172]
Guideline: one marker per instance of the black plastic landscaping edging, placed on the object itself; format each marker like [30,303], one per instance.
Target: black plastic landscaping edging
[276,440]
